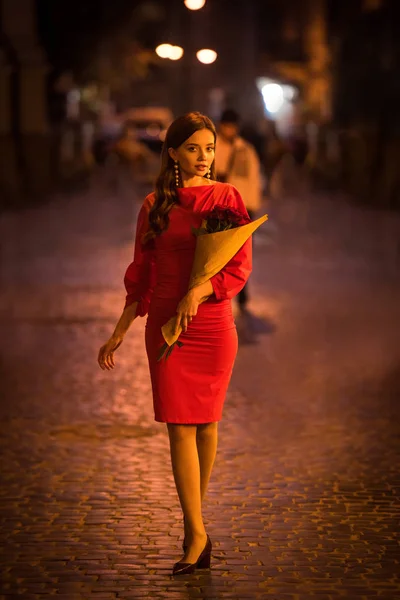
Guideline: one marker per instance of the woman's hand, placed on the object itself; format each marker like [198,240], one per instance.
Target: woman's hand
[186,310]
[106,353]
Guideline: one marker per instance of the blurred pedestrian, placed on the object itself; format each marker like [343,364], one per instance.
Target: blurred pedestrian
[274,149]
[189,386]
[237,163]
[298,144]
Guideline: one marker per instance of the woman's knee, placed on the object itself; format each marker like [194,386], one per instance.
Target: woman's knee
[207,431]
[181,433]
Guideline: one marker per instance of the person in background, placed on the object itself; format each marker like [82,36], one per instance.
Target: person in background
[237,163]
[274,149]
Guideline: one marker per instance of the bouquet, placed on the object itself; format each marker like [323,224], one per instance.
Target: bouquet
[222,233]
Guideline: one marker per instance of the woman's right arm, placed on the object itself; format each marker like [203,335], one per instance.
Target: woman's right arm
[106,352]
[139,282]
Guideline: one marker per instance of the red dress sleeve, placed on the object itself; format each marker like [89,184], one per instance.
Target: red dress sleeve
[140,276]
[232,278]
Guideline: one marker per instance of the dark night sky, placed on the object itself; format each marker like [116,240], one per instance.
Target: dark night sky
[69,29]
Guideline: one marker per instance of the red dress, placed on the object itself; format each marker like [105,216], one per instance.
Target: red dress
[190,386]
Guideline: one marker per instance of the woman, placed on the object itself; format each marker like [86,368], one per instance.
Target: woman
[189,387]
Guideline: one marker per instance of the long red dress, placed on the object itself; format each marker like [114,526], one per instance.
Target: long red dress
[190,386]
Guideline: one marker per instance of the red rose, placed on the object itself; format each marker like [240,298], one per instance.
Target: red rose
[224,217]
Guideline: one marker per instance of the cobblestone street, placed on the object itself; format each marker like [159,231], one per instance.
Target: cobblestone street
[305,497]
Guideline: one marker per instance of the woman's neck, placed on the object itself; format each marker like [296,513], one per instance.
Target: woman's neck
[194,181]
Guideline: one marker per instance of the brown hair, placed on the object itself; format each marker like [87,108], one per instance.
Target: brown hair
[166,195]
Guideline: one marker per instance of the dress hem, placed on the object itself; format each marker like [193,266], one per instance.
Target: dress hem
[186,422]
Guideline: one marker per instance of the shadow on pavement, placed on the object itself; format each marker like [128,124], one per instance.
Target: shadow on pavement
[250,326]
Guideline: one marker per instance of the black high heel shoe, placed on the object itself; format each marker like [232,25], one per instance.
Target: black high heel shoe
[184,544]
[203,562]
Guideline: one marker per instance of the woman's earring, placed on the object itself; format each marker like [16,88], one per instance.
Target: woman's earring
[208,173]
[176,167]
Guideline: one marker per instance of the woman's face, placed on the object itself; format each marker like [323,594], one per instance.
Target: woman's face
[196,155]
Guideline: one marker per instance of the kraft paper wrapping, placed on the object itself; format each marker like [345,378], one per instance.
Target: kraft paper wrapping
[213,252]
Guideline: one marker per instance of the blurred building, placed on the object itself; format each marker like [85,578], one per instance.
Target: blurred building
[366,100]
[294,49]
[344,59]
[24,131]
[338,60]
[285,42]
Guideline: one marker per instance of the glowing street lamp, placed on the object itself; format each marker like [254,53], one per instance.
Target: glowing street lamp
[194,4]
[206,56]
[163,50]
[169,51]
[176,53]
[273,97]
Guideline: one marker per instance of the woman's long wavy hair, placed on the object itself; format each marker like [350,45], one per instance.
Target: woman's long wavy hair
[166,195]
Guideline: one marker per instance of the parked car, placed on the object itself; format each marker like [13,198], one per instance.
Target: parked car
[151,124]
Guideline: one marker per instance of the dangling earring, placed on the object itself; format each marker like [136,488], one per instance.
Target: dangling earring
[176,167]
[208,173]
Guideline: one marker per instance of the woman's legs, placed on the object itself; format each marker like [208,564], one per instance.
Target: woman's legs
[207,440]
[186,470]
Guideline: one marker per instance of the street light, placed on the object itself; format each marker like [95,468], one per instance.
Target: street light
[273,97]
[169,51]
[176,53]
[194,4]
[206,56]
[163,50]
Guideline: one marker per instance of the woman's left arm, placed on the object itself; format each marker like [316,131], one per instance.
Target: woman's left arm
[225,284]
[232,278]
[188,306]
